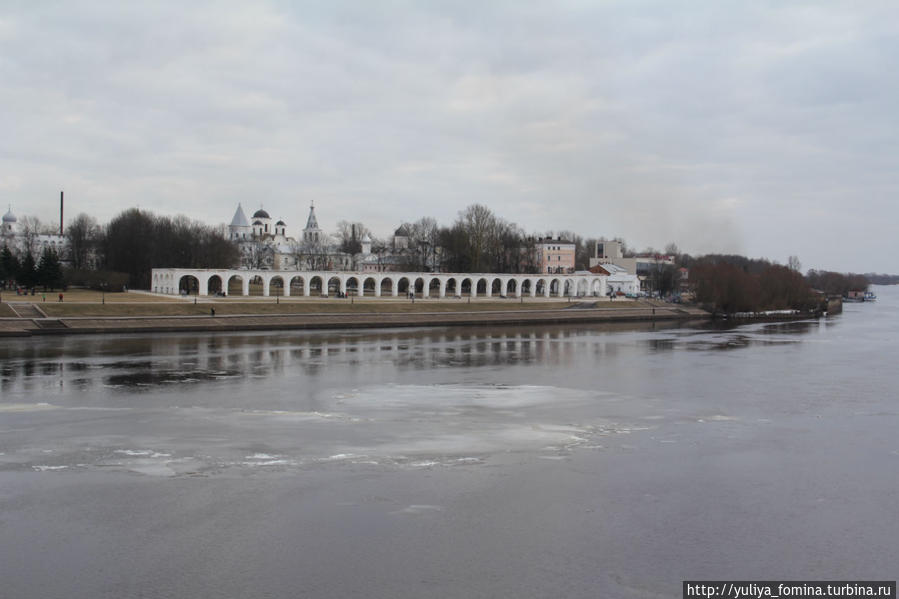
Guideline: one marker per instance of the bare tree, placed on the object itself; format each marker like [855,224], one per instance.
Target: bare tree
[423,242]
[311,255]
[479,223]
[663,278]
[256,256]
[529,254]
[794,264]
[82,234]
[50,228]
[511,253]
[349,236]
[29,228]
[380,248]
[479,241]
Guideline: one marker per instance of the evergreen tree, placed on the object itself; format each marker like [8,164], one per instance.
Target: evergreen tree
[27,275]
[9,265]
[49,271]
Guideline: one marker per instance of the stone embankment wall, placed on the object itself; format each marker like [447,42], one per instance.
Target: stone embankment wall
[146,324]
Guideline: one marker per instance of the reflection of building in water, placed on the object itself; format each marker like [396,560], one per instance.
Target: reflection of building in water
[240,359]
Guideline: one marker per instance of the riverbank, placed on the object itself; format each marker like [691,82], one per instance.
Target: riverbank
[53,319]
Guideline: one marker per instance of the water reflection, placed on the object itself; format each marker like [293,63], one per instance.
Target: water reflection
[153,361]
[791,327]
[723,336]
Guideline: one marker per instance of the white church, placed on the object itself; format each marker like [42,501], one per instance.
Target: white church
[266,246]
[14,236]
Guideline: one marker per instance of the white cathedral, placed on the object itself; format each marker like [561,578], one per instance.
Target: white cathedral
[264,245]
[20,241]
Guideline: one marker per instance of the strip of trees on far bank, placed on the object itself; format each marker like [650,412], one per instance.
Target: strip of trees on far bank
[136,241]
[120,254]
[732,283]
[723,286]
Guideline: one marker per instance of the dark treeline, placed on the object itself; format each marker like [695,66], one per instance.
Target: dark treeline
[754,266]
[835,283]
[729,284]
[480,241]
[135,241]
[30,273]
[732,283]
[122,253]
[882,279]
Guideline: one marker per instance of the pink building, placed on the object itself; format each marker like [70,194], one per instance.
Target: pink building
[554,255]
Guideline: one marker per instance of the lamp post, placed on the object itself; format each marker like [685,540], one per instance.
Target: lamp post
[103,292]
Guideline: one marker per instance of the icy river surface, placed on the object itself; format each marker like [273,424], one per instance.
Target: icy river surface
[590,461]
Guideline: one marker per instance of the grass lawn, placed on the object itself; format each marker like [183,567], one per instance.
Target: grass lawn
[268,306]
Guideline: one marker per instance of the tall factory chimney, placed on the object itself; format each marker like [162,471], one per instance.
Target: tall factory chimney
[61,229]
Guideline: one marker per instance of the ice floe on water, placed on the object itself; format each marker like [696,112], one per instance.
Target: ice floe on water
[276,462]
[717,418]
[429,397]
[267,459]
[415,427]
[26,407]
[426,426]
[143,453]
[417,510]
[344,456]
[151,468]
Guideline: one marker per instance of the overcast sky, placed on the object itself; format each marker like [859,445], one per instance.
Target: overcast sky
[764,128]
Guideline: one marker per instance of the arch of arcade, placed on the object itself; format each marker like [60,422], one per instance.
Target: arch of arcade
[388,284]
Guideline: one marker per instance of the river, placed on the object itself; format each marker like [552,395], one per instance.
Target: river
[559,461]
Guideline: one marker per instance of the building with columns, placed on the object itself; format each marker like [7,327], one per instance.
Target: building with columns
[266,283]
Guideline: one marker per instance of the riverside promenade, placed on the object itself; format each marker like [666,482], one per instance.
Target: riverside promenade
[25,320]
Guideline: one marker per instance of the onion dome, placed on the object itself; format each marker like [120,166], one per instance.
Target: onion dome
[261,214]
[9,217]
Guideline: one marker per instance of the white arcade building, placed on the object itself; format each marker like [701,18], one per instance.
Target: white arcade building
[204,282]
